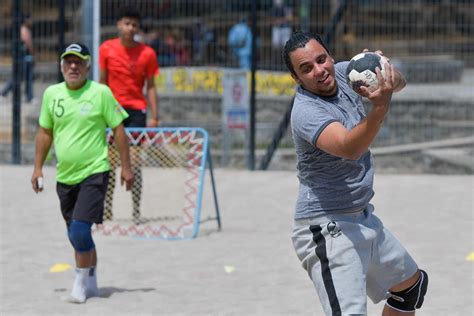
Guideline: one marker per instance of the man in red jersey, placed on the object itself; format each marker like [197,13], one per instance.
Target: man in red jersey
[125,66]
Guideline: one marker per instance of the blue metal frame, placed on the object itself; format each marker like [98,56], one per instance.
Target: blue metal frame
[205,161]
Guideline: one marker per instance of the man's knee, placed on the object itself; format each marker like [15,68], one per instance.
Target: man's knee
[412,298]
[80,236]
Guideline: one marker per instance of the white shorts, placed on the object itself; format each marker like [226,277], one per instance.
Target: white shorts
[350,256]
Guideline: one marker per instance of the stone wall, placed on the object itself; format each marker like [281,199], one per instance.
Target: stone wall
[409,120]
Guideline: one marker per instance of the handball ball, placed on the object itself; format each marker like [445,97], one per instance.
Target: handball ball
[361,70]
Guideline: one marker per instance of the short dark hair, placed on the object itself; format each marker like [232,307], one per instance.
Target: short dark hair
[128,11]
[298,40]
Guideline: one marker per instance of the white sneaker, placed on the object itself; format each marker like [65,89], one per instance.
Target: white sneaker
[73,300]
[78,293]
[91,285]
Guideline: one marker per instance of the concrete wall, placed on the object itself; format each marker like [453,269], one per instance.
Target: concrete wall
[421,113]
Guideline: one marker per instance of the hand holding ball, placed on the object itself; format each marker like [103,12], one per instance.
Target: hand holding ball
[361,70]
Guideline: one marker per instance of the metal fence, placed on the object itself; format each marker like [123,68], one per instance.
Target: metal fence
[197,29]
[431,41]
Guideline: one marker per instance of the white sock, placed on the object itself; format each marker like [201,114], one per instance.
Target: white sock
[92,289]
[78,293]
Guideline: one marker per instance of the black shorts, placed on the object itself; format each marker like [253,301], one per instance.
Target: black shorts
[136,118]
[84,201]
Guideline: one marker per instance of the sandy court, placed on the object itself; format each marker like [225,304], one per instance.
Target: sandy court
[249,268]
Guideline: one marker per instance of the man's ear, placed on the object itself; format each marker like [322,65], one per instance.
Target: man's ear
[295,78]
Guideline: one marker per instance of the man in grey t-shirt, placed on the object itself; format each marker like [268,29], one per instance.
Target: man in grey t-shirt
[344,247]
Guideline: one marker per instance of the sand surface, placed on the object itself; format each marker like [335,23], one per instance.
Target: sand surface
[248,268]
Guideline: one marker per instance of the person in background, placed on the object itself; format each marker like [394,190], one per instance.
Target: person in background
[127,67]
[282,17]
[240,42]
[26,55]
[202,36]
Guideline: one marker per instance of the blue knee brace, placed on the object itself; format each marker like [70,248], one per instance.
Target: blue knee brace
[80,236]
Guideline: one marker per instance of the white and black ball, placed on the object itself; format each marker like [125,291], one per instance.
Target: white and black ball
[361,70]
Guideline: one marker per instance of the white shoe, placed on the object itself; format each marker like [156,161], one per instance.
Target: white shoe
[73,300]
[91,284]
[79,288]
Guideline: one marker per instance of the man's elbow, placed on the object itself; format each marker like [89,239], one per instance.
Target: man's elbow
[351,149]
[351,153]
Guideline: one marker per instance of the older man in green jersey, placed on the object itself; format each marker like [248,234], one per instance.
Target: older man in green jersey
[74,115]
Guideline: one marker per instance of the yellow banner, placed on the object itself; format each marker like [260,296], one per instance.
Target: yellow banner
[209,80]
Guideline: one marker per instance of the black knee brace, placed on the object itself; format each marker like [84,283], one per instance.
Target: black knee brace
[412,298]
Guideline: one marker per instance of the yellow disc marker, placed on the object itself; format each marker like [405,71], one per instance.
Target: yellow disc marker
[59,267]
[470,257]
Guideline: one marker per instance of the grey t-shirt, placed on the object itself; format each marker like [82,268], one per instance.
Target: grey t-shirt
[329,183]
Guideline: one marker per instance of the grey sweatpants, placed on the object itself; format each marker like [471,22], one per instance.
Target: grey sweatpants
[350,256]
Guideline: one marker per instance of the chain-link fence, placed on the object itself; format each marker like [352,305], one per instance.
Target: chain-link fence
[430,41]
[194,32]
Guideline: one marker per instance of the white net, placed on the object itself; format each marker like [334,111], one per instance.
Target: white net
[165,200]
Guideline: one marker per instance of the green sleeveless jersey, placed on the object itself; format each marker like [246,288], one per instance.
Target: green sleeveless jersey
[78,119]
